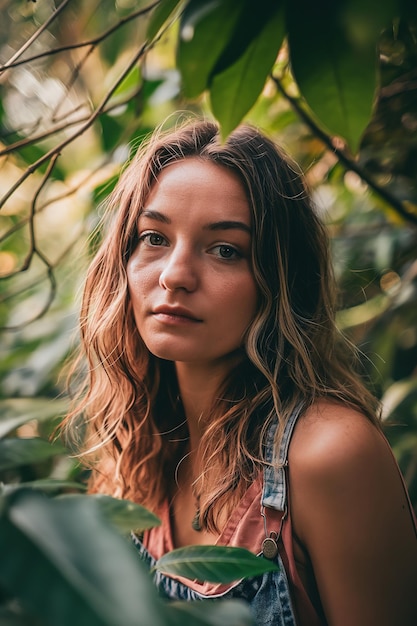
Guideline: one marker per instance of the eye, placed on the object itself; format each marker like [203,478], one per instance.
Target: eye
[153,239]
[225,251]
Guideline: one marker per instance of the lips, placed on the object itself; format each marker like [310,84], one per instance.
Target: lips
[175,312]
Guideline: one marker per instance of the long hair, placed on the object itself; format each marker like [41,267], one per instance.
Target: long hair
[128,408]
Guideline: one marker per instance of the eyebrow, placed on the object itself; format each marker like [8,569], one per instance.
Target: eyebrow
[228,225]
[221,225]
[155,215]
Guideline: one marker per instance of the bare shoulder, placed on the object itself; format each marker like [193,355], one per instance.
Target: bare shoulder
[341,465]
[338,454]
[349,510]
[331,436]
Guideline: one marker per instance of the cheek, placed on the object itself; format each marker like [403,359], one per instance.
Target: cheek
[242,298]
[138,279]
[132,279]
[252,302]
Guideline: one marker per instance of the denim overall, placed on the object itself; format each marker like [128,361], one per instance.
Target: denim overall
[268,595]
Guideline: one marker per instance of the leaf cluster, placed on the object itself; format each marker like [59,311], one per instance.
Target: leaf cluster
[66,556]
[230,49]
[82,85]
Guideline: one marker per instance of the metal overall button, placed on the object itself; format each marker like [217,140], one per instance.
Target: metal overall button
[270,546]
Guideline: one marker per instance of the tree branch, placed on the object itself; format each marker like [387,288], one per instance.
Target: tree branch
[90,121]
[11,62]
[31,220]
[75,46]
[28,141]
[348,162]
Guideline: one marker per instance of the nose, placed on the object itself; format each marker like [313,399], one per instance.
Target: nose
[179,271]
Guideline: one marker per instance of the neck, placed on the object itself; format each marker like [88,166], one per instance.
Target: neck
[198,387]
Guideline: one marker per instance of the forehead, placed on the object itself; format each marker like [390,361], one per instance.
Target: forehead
[197,182]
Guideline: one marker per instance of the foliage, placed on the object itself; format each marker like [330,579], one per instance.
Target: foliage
[229,49]
[81,84]
[235,563]
[67,559]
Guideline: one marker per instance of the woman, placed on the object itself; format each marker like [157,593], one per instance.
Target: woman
[221,396]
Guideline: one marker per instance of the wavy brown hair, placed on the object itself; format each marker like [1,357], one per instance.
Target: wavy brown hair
[128,410]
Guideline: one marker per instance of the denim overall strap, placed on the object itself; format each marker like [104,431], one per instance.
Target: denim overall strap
[269,594]
[274,493]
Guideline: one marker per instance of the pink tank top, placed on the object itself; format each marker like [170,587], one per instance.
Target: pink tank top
[246,525]
[245,529]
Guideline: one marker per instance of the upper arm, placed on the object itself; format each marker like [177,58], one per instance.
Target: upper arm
[350,511]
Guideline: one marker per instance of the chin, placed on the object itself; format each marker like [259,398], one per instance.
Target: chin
[170,353]
[196,357]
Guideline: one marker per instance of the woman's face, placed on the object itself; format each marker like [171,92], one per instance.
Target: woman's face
[190,278]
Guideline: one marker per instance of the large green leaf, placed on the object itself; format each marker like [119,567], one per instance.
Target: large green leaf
[213,563]
[205,30]
[334,61]
[208,613]
[235,90]
[17,411]
[47,485]
[15,452]
[123,514]
[66,565]
[11,616]
[250,25]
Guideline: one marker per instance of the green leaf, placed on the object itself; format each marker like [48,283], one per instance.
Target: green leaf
[111,130]
[235,90]
[129,83]
[103,190]
[336,74]
[62,562]
[250,25]
[123,514]
[363,313]
[13,617]
[208,613]
[17,411]
[205,30]
[159,16]
[214,563]
[15,452]
[43,484]
[364,20]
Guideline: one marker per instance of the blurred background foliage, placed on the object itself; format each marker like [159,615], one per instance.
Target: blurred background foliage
[79,89]
[82,83]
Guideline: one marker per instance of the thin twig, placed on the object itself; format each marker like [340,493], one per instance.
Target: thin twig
[75,73]
[62,196]
[75,46]
[51,297]
[46,157]
[31,219]
[67,124]
[27,130]
[34,250]
[343,157]
[52,291]
[28,141]
[11,62]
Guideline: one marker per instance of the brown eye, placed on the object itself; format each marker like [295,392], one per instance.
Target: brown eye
[227,252]
[224,251]
[153,239]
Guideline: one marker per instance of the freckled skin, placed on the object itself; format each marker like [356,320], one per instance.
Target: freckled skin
[193,257]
